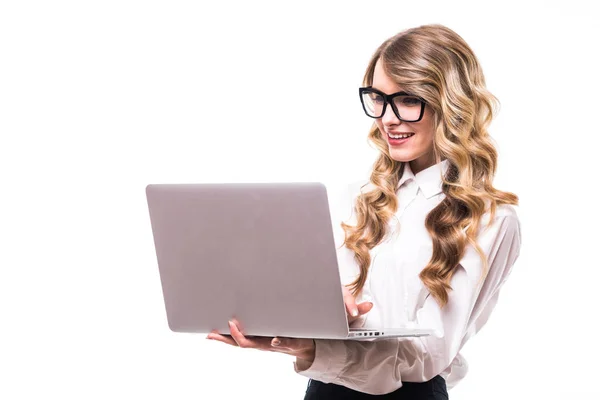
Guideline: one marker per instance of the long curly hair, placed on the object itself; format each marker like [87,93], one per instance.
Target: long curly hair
[435,63]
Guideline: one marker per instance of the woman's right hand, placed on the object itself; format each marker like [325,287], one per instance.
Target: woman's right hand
[353,310]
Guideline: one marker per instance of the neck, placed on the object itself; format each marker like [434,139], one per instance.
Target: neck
[422,163]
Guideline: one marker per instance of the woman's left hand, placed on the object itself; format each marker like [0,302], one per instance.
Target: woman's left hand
[303,349]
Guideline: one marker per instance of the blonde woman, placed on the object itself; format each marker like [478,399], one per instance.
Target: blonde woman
[429,241]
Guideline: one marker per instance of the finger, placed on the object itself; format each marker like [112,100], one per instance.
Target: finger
[365,307]
[239,338]
[222,338]
[350,302]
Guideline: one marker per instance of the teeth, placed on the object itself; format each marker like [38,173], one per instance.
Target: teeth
[400,136]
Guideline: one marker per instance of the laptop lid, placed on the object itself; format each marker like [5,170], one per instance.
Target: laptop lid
[262,253]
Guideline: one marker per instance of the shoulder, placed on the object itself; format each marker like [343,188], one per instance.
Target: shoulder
[507,214]
[505,225]
[342,198]
[507,210]
[499,239]
[504,215]
[348,192]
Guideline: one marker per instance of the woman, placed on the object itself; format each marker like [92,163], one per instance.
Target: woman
[430,241]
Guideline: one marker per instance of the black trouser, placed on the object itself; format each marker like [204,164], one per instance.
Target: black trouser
[434,389]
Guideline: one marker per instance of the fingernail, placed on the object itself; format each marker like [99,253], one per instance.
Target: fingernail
[355,312]
[275,342]
[371,304]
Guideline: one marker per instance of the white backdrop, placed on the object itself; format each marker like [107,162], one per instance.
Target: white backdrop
[98,99]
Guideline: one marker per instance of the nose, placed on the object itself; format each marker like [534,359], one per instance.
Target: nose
[389,118]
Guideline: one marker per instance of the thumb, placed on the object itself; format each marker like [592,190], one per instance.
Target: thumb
[365,307]
[281,342]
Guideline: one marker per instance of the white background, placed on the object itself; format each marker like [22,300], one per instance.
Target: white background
[100,98]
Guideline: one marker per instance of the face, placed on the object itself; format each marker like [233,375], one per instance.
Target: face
[418,148]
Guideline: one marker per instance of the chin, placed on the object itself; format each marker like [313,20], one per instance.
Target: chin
[401,156]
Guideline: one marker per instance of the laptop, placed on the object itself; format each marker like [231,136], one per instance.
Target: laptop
[262,253]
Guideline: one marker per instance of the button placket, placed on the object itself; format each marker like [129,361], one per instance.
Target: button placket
[406,196]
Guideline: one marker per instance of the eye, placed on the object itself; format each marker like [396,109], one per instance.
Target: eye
[375,98]
[410,101]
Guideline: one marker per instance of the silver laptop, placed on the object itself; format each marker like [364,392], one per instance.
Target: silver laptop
[262,253]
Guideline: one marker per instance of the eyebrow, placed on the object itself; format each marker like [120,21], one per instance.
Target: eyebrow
[393,94]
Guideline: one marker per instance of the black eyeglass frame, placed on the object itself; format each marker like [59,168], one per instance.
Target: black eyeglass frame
[388,98]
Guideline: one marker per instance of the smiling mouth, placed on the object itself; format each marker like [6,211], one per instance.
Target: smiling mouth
[401,135]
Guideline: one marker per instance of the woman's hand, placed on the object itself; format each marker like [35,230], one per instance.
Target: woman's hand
[303,349]
[353,310]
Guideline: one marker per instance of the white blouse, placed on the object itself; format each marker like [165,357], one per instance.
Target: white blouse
[400,298]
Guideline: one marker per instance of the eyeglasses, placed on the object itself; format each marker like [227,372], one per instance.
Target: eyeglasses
[406,107]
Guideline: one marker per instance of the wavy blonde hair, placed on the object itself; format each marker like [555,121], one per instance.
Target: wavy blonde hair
[435,63]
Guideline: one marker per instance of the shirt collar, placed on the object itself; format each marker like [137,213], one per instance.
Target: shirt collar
[429,180]
[407,175]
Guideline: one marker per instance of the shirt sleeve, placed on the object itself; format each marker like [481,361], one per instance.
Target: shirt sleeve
[380,366]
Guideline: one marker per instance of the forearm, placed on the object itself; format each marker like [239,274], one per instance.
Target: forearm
[375,367]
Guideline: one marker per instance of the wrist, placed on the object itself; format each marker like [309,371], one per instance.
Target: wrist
[308,355]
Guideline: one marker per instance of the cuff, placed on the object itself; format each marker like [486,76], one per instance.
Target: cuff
[330,359]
